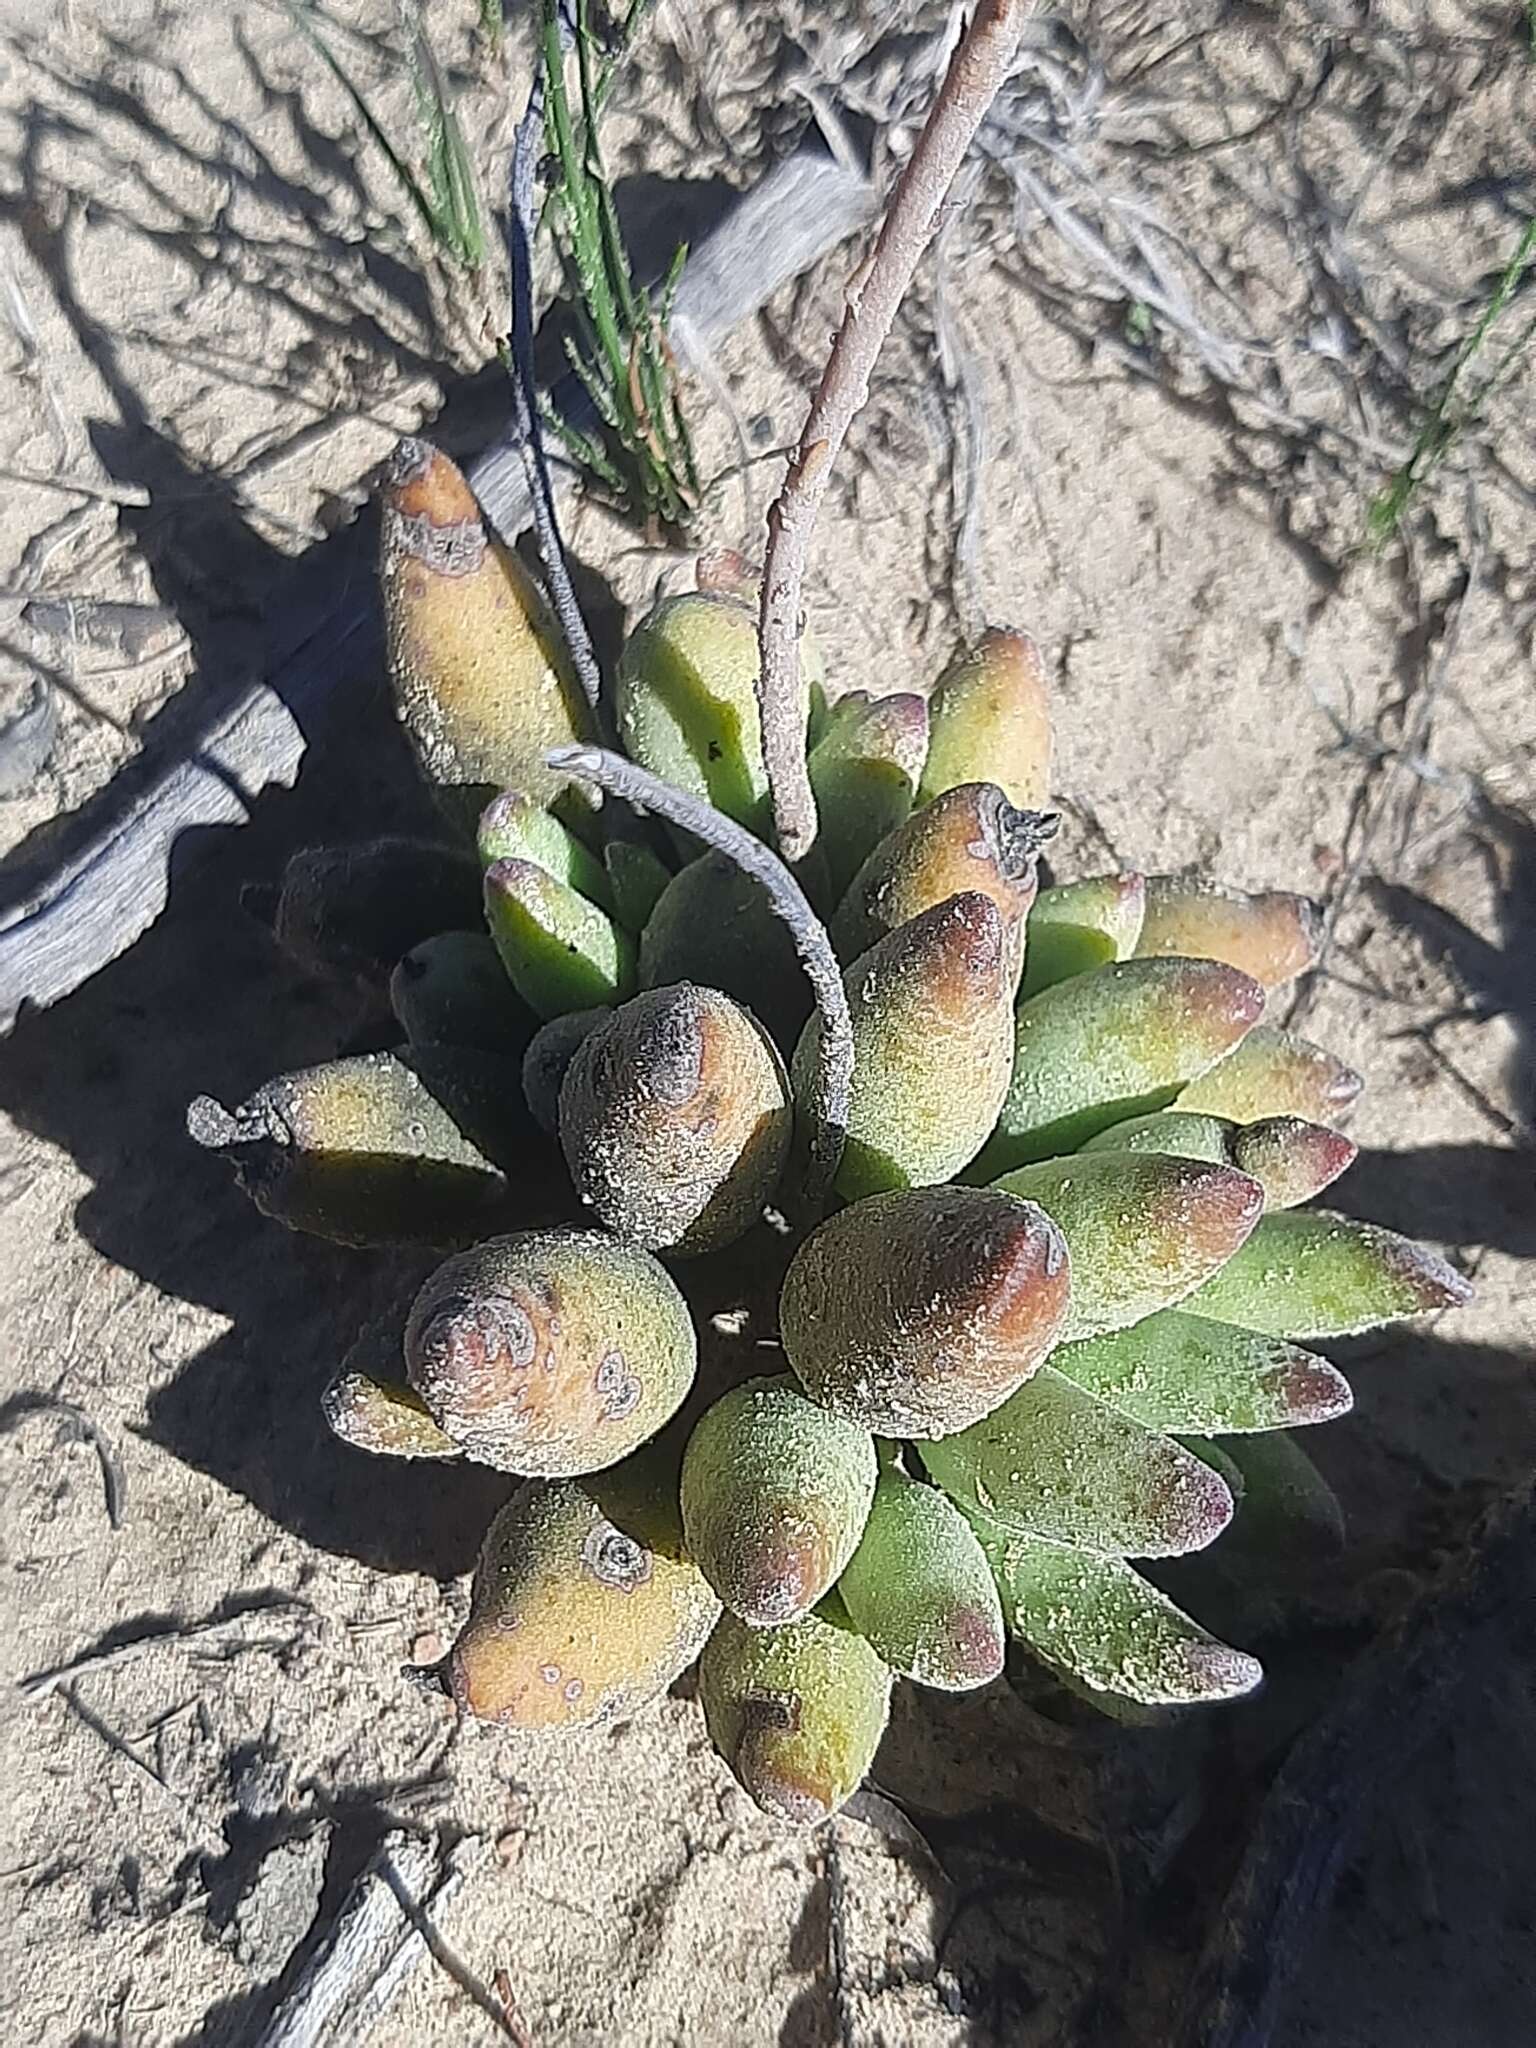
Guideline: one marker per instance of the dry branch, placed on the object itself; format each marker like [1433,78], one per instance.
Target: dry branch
[979,67]
[381,1934]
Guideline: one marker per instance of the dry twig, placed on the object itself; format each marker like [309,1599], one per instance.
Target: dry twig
[980,65]
[382,1933]
[42,1683]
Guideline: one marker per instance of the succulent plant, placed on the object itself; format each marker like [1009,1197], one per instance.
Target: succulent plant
[1049,1307]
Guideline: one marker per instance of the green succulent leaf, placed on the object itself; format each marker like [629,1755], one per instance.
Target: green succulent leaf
[1100,1626]
[1292,1160]
[1077,926]
[1275,1073]
[1143,1229]
[514,827]
[1272,935]
[1182,1373]
[1114,1044]
[636,879]
[919,1588]
[1054,1462]
[1308,1273]
[864,770]
[775,1493]
[560,951]
[796,1711]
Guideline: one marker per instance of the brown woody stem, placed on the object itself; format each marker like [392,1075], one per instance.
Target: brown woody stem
[979,66]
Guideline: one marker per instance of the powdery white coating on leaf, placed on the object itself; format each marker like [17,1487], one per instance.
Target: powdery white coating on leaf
[1143,1230]
[1077,926]
[1272,935]
[919,1588]
[561,952]
[1276,1073]
[917,1312]
[1291,1159]
[1183,1373]
[1103,1628]
[675,1120]
[1057,1463]
[1309,1273]
[551,1353]
[797,1712]
[575,1620]
[932,1012]
[1113,1044]
[375,1148]
[775,1491]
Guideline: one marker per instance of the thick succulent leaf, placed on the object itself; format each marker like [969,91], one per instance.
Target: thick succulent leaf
[453,990]
[636,879]
[990,718]
[675,1120]
[1292,1160]
[920,1590]
[1143,1230]
[482,684]
[1055,1462]
[917,1312]
[714,925]
[513,827]
[1308,1273]
[551,1353]
[1273,935]
[1104,1629]
[550,1052]
[932,1009]
[1114,1044]
[797,1712]
[969,839]
[354,911]
[1077,926]
[686,699]
[864,771]
[1275,1073]
[775,1492]
[581,1610]
[380,1148]
[1287,1511]
[370,1404]
[1183,1373]
[561,952]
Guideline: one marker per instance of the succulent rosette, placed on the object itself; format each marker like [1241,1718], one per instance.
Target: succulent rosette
[1064,1285]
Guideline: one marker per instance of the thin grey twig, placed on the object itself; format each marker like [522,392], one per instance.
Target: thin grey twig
[77,1424]
[832,1083]
[42,1683]
[979,66]
[526,429]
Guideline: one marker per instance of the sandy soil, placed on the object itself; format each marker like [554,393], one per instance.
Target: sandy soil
[213,334]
